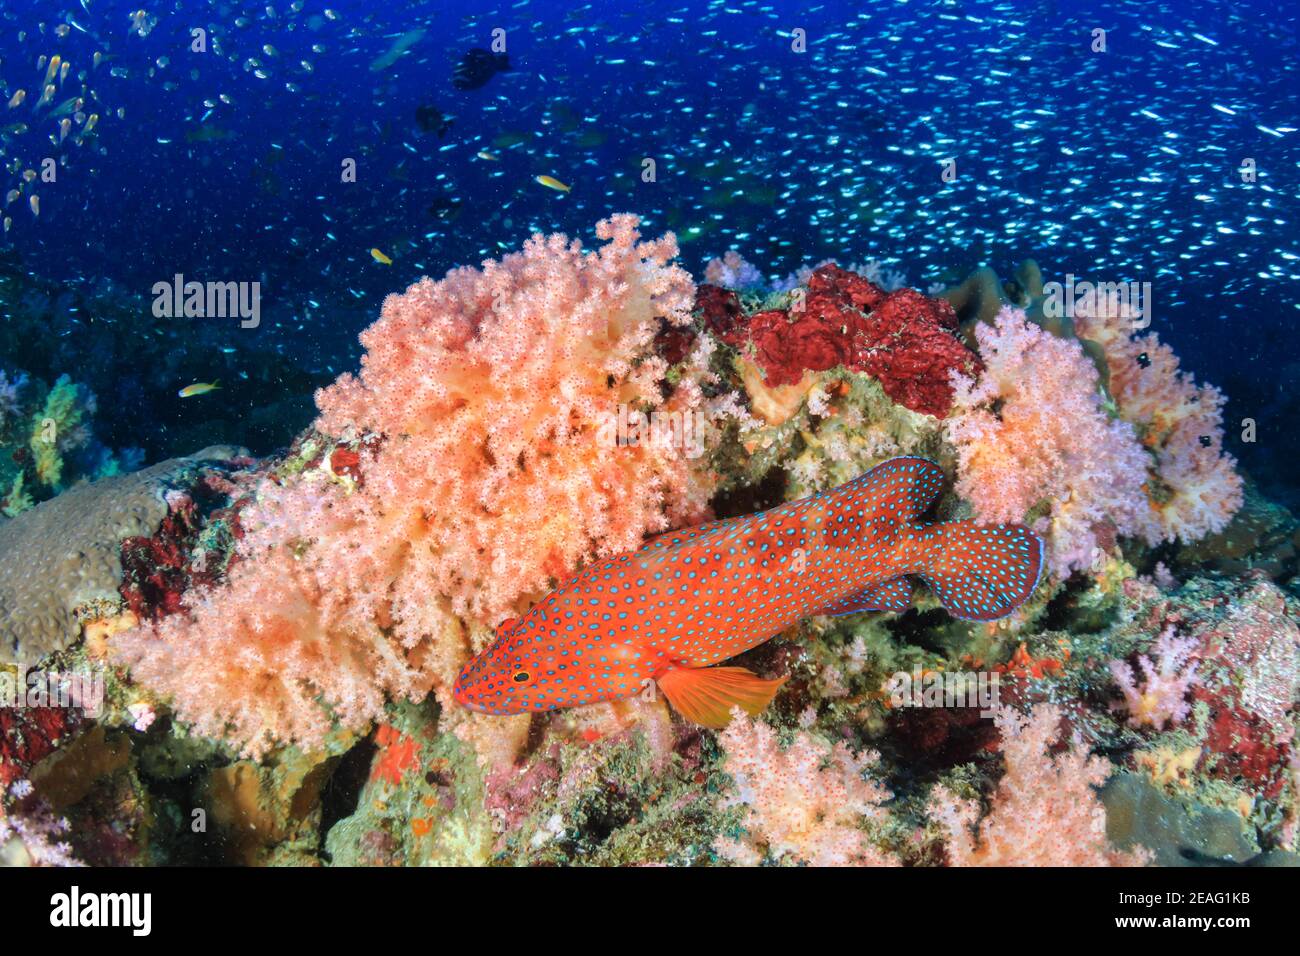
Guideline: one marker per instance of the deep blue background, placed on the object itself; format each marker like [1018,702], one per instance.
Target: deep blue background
[802,148]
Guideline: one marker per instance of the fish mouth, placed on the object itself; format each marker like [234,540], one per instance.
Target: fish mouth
[467,699]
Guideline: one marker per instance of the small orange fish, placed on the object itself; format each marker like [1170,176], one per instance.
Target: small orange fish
[198,388]
[689,599]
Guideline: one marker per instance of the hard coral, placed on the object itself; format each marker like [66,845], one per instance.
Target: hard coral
[483,474]
[70,550]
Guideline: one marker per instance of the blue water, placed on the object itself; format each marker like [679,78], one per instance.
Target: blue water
[1115,164]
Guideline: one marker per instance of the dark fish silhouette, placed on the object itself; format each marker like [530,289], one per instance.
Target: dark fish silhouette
[445,207]
[477,67]
[431,119]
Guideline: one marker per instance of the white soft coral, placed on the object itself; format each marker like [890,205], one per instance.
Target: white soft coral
[1161,700]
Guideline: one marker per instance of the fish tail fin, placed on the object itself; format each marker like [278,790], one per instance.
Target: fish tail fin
[981,572]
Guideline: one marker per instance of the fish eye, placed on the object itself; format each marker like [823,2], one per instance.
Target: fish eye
[520,677]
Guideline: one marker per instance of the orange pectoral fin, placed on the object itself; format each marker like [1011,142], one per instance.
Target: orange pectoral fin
[706,695]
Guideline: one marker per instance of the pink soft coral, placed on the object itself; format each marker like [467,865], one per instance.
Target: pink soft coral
[1031,430]
[1162,699]
[1195,489]
[1045,810]
[483,404]
[803,803]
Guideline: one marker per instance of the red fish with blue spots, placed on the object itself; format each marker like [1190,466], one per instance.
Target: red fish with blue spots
[689,599]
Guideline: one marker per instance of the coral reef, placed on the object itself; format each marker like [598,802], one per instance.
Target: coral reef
[487,464]
[71,548]
[277,638]
[1044,813]
[1032,429]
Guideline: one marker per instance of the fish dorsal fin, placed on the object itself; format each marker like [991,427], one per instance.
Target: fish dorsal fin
[982,572]
[706,695]
[905,486]
[895,595]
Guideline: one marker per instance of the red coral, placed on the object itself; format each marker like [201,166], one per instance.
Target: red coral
[909,345]
[154,572]
[1239,744]
[28,735]
[719,309]
[398,753]
[674,343]
[157,570]
[862,293]
[817,339]
[940,736]
[903,339]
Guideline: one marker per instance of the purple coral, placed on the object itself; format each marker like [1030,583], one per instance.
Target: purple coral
[30,835]
[9,389]
[1162,699]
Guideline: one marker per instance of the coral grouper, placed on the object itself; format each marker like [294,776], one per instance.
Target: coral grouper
[689,599]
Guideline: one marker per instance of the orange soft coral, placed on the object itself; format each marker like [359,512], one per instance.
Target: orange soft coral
[485,400]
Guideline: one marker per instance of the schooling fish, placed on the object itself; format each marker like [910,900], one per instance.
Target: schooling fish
[691,598]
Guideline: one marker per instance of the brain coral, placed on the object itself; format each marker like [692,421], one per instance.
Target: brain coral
[65,552]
